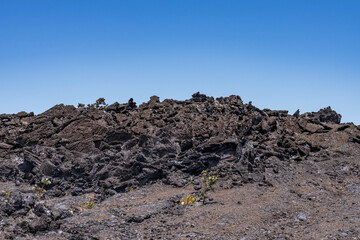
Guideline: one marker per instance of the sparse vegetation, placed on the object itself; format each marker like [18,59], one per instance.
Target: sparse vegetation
[188,200]
[90,203]
[99,104]
[6,193]
[208,180]
[40,191]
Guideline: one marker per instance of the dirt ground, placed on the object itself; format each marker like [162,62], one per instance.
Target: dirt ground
[306,202]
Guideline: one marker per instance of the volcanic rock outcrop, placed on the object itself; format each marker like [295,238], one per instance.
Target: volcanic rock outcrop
[127,146]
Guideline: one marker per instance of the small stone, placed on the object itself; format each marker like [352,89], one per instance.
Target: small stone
[301,216]
[5,146]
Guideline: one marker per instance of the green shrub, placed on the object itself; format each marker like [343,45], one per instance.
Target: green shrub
[208,180]
[188,200]
[40,191]
[90,203]
[99,104]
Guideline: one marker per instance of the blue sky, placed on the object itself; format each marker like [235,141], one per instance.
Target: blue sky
[278,54]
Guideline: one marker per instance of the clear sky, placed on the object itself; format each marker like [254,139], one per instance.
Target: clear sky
[279,54]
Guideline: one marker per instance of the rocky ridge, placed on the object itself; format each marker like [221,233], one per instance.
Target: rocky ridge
[123,147]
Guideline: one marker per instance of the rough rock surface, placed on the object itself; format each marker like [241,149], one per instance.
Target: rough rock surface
[281,176]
